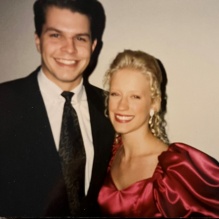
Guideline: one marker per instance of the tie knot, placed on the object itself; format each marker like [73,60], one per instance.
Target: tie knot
[67,95]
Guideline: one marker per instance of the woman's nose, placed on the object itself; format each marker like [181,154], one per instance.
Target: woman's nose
[123,104]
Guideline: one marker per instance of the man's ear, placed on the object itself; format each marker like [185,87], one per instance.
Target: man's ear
[94,44]
[37,43]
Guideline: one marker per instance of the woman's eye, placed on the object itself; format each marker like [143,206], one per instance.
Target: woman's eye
[136,97]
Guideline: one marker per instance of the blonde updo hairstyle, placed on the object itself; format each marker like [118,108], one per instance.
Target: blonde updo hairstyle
[149,66]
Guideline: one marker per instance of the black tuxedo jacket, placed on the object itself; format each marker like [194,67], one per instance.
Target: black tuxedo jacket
[31,181]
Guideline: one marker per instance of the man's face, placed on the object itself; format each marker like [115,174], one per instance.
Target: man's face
[65,46]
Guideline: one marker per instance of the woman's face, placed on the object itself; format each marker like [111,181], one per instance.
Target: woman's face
[129,101]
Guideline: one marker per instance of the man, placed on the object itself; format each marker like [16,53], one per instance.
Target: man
[31,108]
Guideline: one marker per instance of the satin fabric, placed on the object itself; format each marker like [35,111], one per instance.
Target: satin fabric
[185,183]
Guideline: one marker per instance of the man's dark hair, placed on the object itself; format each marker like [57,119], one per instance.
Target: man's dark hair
[91,8]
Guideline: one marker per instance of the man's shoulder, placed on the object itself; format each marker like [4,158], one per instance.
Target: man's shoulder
[18,88]
[19,81]
[92,87]
[93,90]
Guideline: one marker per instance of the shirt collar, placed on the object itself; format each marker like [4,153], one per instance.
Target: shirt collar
[53,91]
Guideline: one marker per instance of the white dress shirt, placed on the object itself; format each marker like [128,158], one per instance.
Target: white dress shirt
[54,104]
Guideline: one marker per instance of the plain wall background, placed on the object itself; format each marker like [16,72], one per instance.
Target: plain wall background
[183,34]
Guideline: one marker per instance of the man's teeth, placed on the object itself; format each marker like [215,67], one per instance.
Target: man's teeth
[66,62]
[124,118]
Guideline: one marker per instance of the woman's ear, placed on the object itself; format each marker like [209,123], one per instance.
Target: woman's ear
[156,105]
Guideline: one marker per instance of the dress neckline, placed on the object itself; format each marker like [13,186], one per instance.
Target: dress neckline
[141,180]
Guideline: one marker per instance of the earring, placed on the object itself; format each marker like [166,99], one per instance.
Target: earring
[151,115]
[117,138]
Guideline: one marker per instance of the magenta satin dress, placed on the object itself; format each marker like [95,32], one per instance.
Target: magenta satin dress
[185,183]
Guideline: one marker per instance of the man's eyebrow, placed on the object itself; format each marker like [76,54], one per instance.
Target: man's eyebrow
[48,29]
[52,29]
[84,34]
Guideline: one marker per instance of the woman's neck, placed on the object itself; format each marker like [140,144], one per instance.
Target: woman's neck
[137,144]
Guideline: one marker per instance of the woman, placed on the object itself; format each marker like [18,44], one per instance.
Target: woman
[147,176]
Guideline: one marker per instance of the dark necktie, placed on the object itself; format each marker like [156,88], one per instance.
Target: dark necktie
[72,154]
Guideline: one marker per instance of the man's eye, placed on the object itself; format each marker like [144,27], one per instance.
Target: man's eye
[113,94]
[80,38]
[54,35]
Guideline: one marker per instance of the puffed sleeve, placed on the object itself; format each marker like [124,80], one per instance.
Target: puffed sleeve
[188,183]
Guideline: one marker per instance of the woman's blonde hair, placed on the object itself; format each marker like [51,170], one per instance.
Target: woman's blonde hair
[148,65]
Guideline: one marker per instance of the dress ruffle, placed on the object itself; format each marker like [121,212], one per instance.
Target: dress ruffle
[185,183]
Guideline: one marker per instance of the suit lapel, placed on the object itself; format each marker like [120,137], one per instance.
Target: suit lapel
[36,111]
[95,111]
